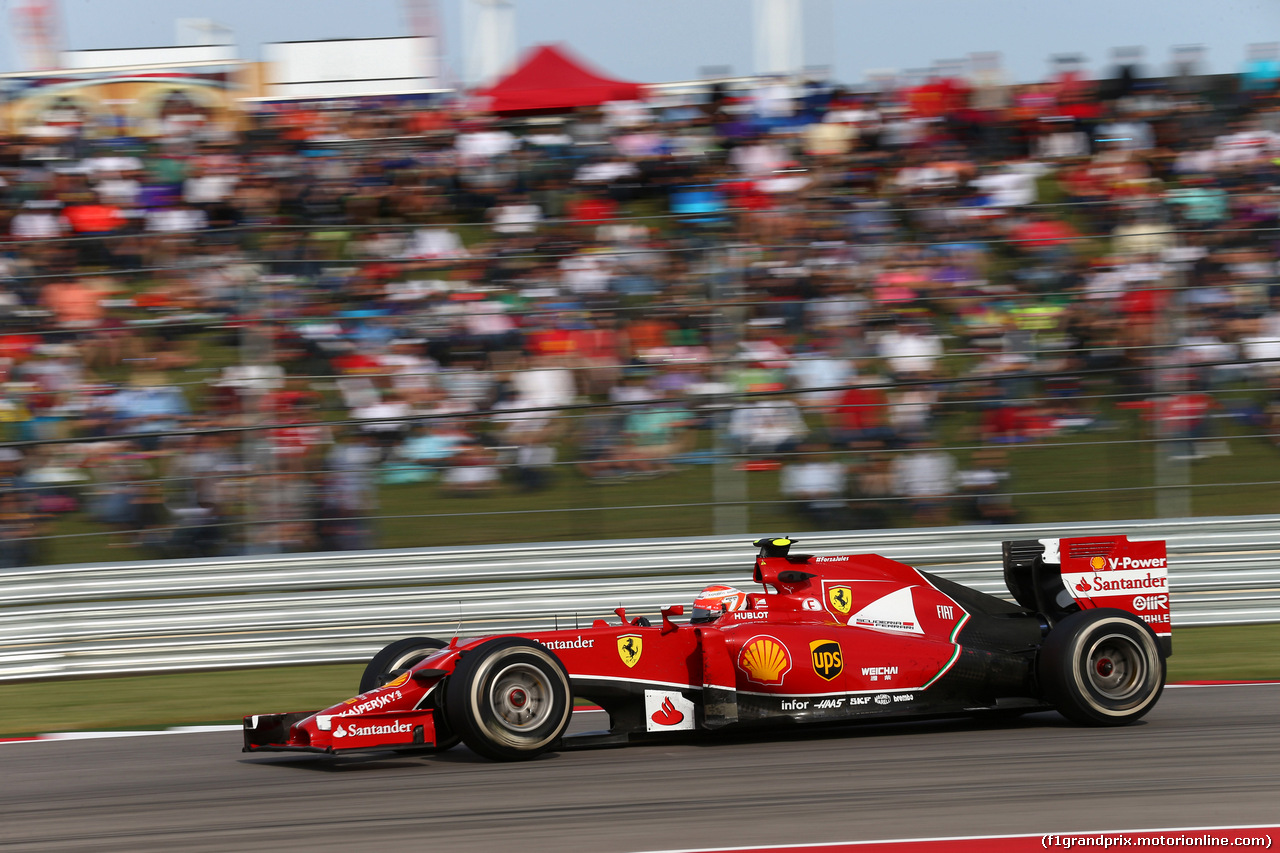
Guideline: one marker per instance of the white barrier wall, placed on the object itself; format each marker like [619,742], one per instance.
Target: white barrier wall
[172,615]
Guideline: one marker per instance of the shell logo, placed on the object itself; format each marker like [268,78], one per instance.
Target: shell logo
[765,660]
[1097,563]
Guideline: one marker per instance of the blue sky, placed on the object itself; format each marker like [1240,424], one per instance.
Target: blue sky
[662,40]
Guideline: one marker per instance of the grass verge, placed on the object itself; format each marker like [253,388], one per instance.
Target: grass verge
[152,701]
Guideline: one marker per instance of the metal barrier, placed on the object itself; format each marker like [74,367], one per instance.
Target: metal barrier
[174,615]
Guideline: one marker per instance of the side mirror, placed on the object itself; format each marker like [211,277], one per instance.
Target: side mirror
[667,612]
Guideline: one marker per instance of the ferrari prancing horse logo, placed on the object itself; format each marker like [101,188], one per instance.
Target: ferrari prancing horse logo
[841,599]
[630,647]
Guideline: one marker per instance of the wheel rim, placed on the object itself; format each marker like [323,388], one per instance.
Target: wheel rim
[520,697]
[1116,667]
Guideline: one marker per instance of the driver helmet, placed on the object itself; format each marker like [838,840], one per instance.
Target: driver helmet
[717,599]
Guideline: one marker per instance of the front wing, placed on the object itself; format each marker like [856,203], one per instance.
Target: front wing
[349,733]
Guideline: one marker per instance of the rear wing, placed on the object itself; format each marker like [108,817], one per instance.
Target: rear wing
[1059,576]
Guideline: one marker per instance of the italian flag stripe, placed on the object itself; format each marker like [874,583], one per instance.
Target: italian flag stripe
[955,655]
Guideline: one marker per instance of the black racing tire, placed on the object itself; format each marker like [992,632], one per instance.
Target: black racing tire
[509,699]
[1101,667]
[397,658]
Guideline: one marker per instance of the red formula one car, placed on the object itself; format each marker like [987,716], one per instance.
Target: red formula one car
[831,639]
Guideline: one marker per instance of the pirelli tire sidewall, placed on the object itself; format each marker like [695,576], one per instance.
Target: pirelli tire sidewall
[1101,667]
[494,686]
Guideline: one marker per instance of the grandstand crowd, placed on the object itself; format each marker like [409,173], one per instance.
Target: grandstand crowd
[234,336]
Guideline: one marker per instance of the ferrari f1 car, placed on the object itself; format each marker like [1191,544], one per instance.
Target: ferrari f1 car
[831,639]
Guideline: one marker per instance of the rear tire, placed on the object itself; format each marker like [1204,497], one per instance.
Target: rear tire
[509,699]
[1101,667]
[395,660]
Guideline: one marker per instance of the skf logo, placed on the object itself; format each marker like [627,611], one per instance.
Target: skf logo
[630,647]
[401,679]
[764,660]
[841,599]
[827,660]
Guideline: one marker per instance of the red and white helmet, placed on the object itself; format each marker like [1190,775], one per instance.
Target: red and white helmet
[717,599]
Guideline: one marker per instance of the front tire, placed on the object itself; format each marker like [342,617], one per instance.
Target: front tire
[509,699]
[398,658]
[1101,667]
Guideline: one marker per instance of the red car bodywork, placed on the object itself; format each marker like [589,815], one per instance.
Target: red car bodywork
[831,638]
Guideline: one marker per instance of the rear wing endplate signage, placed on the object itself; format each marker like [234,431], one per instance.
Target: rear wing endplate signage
[1111,571]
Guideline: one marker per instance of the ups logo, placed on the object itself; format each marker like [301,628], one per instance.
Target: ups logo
[828,662]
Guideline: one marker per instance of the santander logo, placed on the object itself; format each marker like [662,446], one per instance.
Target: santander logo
[1083,586]
[668,714]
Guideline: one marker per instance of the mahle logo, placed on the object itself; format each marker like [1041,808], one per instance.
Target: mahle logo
[828,662]
[841,599]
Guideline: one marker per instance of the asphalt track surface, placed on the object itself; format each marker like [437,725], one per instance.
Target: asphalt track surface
[1202,757]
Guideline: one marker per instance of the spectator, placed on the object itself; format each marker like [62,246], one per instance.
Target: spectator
[925,476]
[424,270]
[473,471]
[860,414]
[911,352]
[767,426]
[350,496]
[149,405]
[874,490]
[983,487]
[655,434]
[818,484]
[19,527]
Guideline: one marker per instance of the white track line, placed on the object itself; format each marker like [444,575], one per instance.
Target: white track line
[935,839]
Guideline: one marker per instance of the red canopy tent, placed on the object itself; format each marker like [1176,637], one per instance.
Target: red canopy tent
[550,79]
